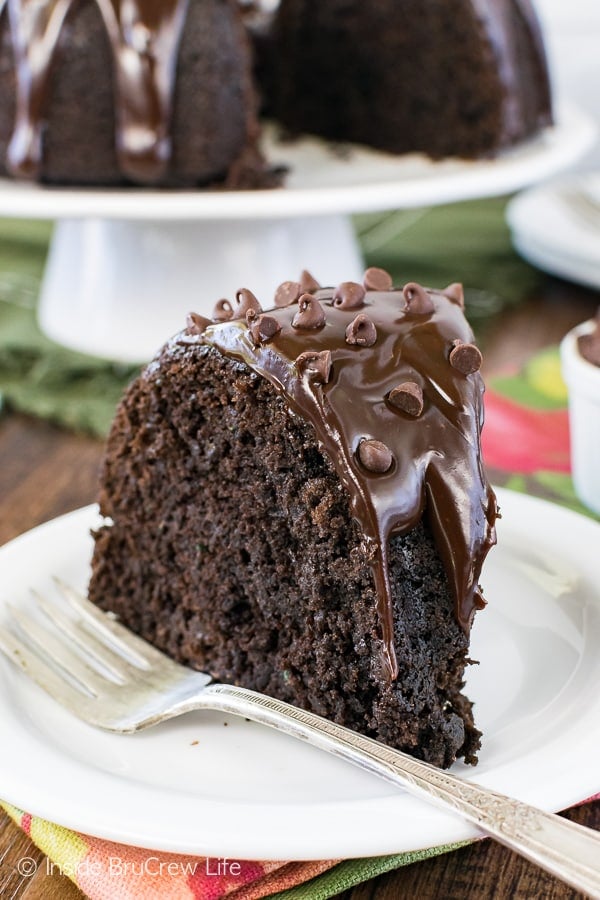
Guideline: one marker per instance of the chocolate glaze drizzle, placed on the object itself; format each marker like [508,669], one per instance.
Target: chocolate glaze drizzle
[144,36]
[396,464]
[498,22]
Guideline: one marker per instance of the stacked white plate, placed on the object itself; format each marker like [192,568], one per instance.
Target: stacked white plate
[556,227]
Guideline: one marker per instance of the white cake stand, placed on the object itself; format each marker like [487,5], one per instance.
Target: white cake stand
[126,266]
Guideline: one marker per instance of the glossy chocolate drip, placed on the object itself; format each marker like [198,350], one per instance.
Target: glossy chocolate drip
[435,461]
[144,37]
[498,23]
[534,31]
[35,30]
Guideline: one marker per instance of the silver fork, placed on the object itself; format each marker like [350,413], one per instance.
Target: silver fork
[124,684]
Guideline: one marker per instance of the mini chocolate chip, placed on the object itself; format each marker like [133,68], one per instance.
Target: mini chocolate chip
[262,328]
[308,284]
[223,311]
[287,293]
[196,324]
[376,279]
[310,313]
[361,331]
[456,293]
[408,397]
[245,301]
[349,295]
[466,358]
[375,456]
[316,364]
[418,301]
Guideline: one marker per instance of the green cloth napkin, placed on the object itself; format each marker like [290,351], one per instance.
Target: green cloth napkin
[466,242]
[38,376]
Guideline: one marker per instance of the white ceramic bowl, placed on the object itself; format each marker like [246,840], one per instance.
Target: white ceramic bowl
[583,383]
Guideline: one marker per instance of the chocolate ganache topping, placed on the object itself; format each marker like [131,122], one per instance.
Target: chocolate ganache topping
[144,37]
[589,344]
[399,419]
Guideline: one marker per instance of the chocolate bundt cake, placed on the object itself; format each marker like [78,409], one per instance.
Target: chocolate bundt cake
[104,92]
[107,92]
[295,502]
[453,78]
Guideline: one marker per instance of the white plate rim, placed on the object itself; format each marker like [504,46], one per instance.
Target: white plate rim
[413,181]
[314,834]
[579,271]
[552,237]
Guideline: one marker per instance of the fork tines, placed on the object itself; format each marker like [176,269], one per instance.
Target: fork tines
[76,654]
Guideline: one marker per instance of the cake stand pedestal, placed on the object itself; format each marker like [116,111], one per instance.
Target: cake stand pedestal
[118,288]
[126,266]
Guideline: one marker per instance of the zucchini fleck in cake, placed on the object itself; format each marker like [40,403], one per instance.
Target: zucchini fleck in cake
[295,502]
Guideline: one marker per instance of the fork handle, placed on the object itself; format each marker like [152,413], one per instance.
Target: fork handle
[568,851]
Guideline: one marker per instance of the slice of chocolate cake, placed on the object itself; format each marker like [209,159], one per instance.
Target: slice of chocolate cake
[296,503]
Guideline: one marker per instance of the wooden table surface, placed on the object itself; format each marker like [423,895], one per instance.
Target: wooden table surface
[45,472]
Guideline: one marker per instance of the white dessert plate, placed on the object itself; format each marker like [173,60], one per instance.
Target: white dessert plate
[322,181]
[556,227]
[196,786]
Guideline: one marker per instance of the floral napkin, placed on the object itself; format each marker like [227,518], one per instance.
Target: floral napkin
[104,870]
[531,406]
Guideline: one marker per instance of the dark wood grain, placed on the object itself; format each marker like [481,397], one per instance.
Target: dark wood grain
[45,472]
[15,847]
